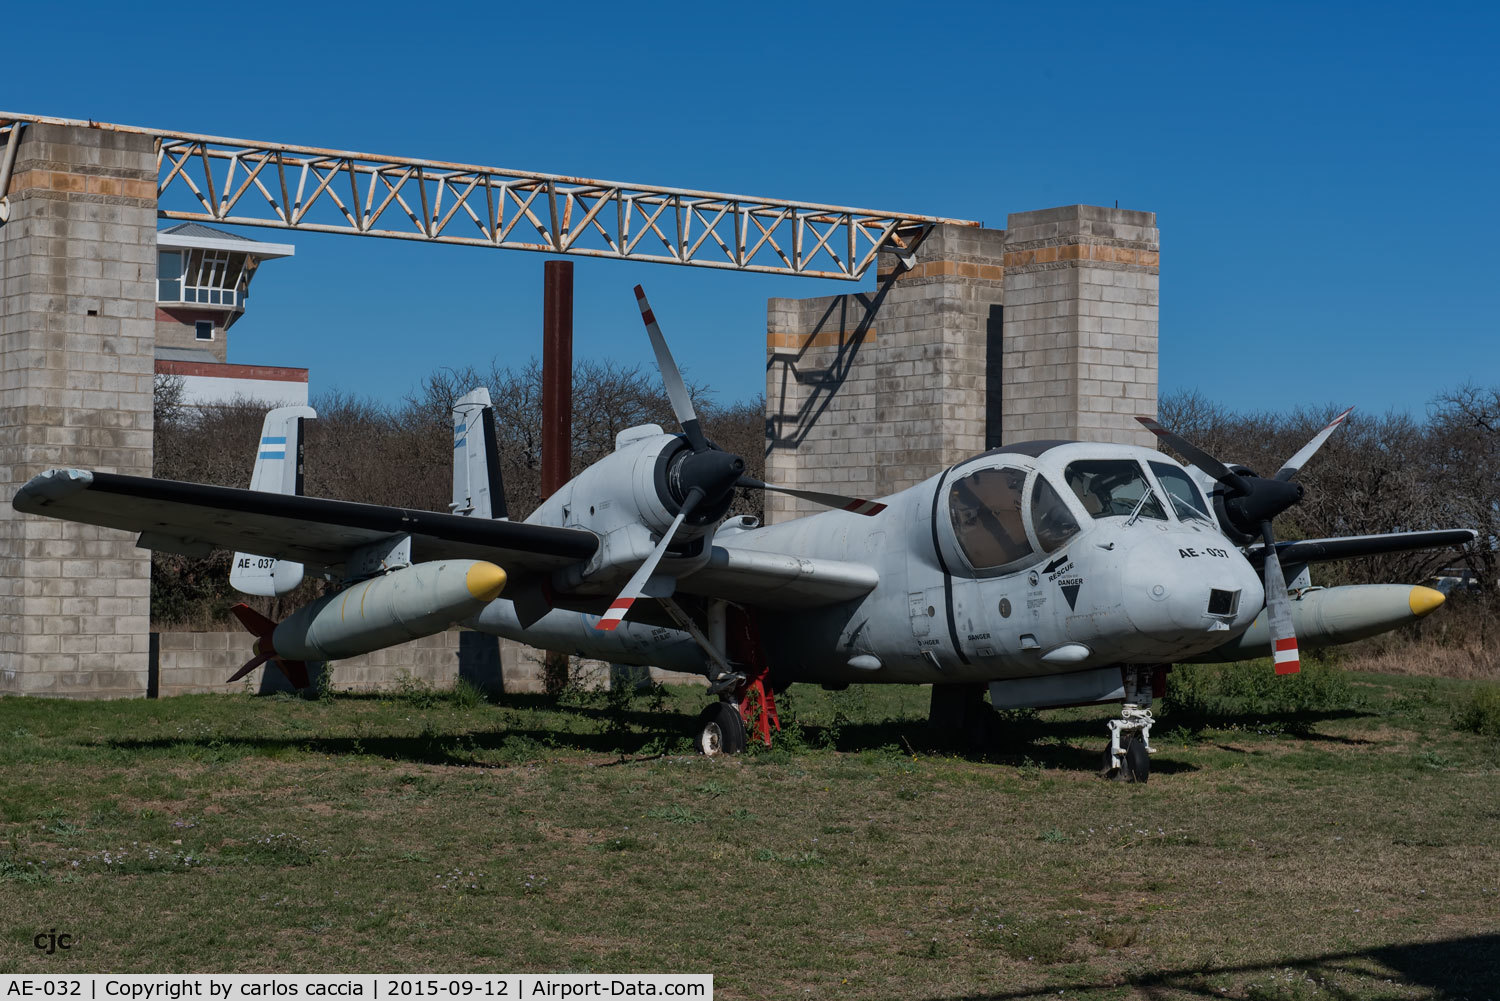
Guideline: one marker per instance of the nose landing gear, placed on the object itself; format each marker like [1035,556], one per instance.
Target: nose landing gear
[1127,757]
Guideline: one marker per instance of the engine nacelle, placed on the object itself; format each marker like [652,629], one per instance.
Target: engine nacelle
[629,499]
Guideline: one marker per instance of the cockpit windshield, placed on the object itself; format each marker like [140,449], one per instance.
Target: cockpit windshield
[1113,487]
[1184,494]
[1051,518]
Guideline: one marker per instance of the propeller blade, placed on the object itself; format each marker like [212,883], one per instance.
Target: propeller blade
[636,586]
[1213,467]
[1299,460]
[1279,610]
[682,404]
[858,505]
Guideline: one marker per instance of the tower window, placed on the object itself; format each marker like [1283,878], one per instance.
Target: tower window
[204,330]
[168,276]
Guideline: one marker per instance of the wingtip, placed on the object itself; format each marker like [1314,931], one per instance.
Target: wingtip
[55,484]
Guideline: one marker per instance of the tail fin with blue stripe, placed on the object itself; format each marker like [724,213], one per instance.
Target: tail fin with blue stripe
[278,469]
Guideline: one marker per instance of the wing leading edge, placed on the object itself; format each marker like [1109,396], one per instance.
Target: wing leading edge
[196,518]
[1354,546]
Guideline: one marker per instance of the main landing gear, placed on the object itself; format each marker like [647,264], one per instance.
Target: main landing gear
[721,729]
[740,675]
[726,726]
[1127,756]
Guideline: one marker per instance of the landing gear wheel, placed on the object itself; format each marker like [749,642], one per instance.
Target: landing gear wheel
[1110,769]
[1137,761]
[721,730]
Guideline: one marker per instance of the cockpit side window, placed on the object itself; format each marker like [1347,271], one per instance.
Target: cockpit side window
[986,510]
[1184,494]
[1112,487]
[1051,518]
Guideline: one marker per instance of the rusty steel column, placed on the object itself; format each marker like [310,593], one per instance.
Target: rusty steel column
[557,375]
[557,412]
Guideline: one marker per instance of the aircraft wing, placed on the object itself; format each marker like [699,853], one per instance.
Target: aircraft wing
[1350,547]
[778,580]
[196,518]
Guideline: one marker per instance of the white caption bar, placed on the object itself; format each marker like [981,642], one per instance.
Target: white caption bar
[369,986]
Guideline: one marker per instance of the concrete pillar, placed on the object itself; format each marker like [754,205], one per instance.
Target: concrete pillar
[1080,324]
[1046,329]
[872,392]
[77,329]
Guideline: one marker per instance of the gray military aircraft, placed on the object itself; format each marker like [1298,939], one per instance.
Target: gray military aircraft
[1051,572]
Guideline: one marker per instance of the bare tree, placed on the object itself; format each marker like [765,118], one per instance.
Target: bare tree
[1377,474]
[1465,462]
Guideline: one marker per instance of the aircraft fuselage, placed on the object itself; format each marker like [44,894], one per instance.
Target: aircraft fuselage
[994,569]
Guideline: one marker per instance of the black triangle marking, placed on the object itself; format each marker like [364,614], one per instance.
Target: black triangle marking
[1070,591]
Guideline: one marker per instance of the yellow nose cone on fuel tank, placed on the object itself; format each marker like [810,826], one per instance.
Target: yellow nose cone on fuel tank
[1424,600]
[485,581]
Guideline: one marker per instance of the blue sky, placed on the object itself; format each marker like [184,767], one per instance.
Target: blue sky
[1325,175]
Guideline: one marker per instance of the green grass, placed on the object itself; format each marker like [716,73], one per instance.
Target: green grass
[1337,839]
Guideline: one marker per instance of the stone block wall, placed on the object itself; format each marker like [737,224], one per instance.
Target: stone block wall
[77,331]
[1080,361]
[1046,329]
[196,662]
[871,393]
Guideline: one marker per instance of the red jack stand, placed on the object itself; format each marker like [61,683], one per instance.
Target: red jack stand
[758,706]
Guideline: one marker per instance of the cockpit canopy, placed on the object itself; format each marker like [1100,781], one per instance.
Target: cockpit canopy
[986,510]
[1006,516]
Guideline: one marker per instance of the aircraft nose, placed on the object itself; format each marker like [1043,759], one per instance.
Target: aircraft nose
[1174,587]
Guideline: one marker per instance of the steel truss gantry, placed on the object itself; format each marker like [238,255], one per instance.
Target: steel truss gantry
[249,183]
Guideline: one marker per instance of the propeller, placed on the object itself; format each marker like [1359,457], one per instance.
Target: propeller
[704,480]
[711,473]
[855,504]
[636,586]
[262,629]
[1250,502]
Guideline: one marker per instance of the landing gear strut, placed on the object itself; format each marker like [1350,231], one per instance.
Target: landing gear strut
[747,702]
[1127,756]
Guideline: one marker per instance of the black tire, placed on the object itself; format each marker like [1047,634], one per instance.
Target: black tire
[1137,761]
[721,730]
[1109,768]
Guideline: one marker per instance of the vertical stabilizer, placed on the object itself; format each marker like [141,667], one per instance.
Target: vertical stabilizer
[278,469]
[477,489]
